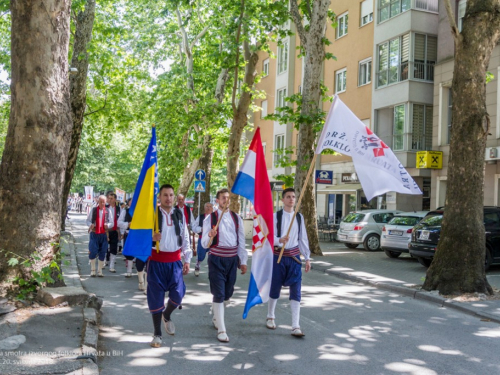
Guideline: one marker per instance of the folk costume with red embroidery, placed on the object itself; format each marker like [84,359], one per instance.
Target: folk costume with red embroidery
[98,221]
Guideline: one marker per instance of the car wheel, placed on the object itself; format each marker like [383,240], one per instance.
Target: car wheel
[372,242]
[424,261]
[351,245]
[392,254]
[487,260]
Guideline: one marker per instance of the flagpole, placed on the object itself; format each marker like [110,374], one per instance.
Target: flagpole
[217,226]
[311,167]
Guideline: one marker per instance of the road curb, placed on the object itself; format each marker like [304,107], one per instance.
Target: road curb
[417,294]
[91,306]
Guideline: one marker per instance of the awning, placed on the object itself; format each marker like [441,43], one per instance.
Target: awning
[341,189]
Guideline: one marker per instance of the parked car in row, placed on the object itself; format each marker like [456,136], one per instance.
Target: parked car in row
[396,234]
[364,227]
[425,236]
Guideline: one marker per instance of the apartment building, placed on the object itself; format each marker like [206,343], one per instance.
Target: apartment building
[442,119]
[349,76]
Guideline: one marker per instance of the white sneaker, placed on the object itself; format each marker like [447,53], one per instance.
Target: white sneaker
[297,332]
[128,274]
[112,270]
[270,323]
[169,327]
[156,343]
[92,273]
[100,274]
[197,272]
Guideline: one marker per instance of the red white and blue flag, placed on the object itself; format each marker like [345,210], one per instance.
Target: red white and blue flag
[252,182]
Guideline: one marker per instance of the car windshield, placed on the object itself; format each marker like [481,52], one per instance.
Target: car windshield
[404,220]
[353,218]
[432,220]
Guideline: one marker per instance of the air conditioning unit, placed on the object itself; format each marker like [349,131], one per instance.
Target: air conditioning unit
[492,153]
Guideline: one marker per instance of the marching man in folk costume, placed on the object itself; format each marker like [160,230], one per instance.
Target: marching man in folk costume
[224,235]
[98,221]
[288,272]
[124,223]
[164,267]
[197,227]
[114,231]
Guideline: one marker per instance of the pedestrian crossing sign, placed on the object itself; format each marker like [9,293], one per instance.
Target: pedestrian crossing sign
[199,186]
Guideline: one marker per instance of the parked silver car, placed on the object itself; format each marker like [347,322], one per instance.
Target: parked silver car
[364,227]
[397,233]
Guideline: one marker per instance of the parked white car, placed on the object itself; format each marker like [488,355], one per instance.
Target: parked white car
[364,227]
[396,234]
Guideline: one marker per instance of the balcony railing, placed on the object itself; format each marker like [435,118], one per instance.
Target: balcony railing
[405,71]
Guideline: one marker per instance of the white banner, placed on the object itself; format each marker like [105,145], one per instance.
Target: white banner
[89,194]
[120,195]
[379,170]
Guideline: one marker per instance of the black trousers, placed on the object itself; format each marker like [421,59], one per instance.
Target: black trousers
[113,243]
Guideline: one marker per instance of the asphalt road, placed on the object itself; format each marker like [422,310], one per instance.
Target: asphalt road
[350,329]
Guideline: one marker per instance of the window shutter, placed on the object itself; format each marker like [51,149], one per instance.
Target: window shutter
[405,48]
[366,8]
[419,48]
[431,49]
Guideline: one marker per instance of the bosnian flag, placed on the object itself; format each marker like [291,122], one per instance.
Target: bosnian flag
[252,182]
[378,169]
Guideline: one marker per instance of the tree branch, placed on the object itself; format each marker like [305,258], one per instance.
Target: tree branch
[198,37]
[451,19]
[100,109]
[238,33]
[297,19]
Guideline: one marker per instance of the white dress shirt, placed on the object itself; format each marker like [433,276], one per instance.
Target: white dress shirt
[196,225]
[168,242]
[294,241]
[122,224]
[110,222]
[228,237]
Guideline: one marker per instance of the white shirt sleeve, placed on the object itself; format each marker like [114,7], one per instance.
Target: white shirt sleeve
[122,224]
[205,239]
[110,218]
[276,238]
[186,251]
[304,241]
[242,252]
[196,226]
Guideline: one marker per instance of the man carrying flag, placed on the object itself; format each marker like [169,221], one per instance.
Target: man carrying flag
[224,235]
[252,182]
[288,272]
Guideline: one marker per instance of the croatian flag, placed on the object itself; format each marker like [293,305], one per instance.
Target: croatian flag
[252,183]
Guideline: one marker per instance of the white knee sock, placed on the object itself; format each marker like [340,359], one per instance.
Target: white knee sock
[271,306]
[219,316]
[92,265]
[129,266]
[112,259]
[140,276]
[295,305]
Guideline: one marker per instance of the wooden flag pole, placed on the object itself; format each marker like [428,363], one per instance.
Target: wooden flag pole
[297,206]
[217,226]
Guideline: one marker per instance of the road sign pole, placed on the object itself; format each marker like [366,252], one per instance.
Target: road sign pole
[199,203]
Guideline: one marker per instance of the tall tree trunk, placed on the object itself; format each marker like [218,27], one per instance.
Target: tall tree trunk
[37,143]
[78,93]
[205,164]
[458,265]
[312,40]
[240,120]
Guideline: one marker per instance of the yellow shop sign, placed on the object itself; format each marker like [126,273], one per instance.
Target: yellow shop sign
[430,159]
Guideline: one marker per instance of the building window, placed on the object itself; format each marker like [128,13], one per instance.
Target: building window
[421,134]
[429,5]
[342,21]
[365,72]
[263,112]
[366,12]
[283,57]
[265,67]
[391,8]
[279,144]
[340,81]
[399,128]
[394,63]
[280,99]
[462,5]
